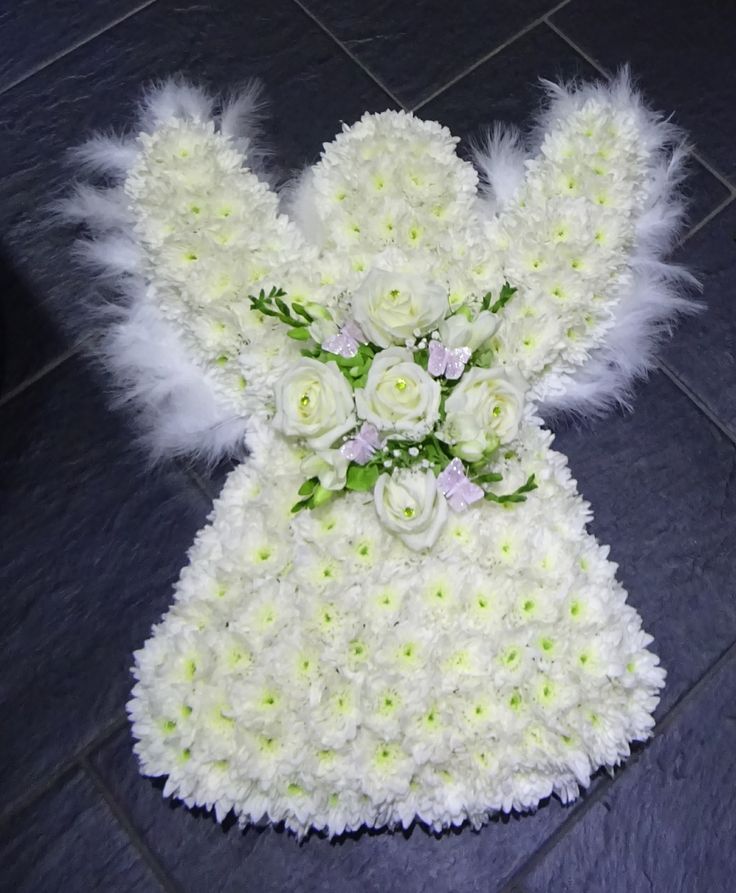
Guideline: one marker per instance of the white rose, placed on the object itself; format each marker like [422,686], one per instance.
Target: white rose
[399,396]
[483,411]
[459,331]
[330,466]
[410,505]
[393,307]
[314,402]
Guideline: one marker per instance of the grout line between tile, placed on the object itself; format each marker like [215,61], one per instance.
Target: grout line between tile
[74,47]
[122,818]
[680,705]
[694,398]
[35,792]
[198,481]
[494,52]
[595,63]
[706,220]
[348,53]
[40,373]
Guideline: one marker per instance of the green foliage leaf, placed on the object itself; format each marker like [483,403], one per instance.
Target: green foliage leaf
[507,292]
[490,477]
[517,496]
[302,311]
[362,477]
[307,488]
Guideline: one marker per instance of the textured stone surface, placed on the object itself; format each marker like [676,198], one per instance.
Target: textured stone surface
[201,855]
[89,546]
[70,841]
[416,48]
[682,52]
[680,838]
[703,355]
[28,339]
[37,31]
[662,483]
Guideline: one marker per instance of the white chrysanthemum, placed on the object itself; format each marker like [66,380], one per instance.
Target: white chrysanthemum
[313,669]
[216,236]
[356,682]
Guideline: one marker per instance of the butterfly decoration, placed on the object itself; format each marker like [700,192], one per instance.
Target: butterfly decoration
[447,361]
[361,448]
[346,342]
[457,488]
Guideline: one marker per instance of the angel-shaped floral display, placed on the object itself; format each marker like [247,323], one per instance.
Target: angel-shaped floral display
[395,612]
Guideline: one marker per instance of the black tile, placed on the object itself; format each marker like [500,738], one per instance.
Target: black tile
[201,855]
[416,48]
[36,31]
[70,841]
[681,51]
[90,544]
[667,823]
[703,193]
[28,339]
[507,89]
[703,355]
[661,484]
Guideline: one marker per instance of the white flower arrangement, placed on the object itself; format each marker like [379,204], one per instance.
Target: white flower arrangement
[415,409]
[445,640]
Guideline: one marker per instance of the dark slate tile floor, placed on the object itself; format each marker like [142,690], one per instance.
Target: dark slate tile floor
[91,538]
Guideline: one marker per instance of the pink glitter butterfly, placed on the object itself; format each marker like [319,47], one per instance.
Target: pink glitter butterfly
[362,447]
[345,343]
[459,491]
[447,361]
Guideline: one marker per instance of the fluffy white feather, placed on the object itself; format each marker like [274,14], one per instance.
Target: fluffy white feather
[173,398]
[500,158]
[657,292]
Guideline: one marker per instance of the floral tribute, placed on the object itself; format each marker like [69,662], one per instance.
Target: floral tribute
[396,612]
[401,399]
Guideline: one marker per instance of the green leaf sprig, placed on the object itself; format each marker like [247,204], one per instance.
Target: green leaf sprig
[355,369]
[507,292]
[295,316]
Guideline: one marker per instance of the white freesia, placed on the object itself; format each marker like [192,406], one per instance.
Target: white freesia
[322,329]
[459,331]
[399,396]
[410,505]
[483,411]
[393,307]
[330,466]
[314,402]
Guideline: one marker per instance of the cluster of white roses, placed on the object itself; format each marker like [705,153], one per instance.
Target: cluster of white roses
[416,406]
[315,671]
